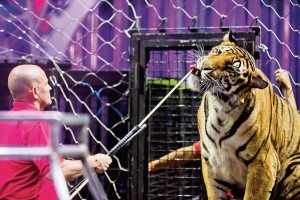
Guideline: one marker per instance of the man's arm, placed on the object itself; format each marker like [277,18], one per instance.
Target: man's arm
[283,79]
[73,169]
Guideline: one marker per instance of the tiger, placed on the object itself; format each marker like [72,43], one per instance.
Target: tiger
[250,136]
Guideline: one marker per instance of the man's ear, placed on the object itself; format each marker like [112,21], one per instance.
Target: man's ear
[35,92]
[258,82]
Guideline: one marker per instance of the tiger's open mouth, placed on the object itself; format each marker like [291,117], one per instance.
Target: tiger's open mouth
[195,71]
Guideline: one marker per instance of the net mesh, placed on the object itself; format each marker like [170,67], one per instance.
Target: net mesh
[172,126]
[88,45]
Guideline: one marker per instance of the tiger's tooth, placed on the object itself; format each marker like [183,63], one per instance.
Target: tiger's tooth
[196,73]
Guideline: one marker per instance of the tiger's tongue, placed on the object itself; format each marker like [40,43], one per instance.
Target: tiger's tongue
[195,70]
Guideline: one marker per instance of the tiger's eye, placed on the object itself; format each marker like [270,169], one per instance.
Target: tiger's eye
[216,52]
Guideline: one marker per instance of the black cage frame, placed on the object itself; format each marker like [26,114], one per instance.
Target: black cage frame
[141,47]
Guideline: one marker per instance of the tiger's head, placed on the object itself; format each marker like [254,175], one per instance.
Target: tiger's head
[226,71]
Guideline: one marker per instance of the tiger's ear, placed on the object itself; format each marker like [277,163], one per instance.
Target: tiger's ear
[258,82]
[229,37]
[229,40]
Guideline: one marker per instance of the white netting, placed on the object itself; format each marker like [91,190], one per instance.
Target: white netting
[93,38]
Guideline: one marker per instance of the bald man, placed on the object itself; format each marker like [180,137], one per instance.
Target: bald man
[29,84]
[31,179]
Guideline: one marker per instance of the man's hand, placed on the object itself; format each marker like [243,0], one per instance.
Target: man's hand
[283,79]
[100,162]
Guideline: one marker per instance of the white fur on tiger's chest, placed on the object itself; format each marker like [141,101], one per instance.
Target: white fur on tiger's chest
[227,167]
[222,157]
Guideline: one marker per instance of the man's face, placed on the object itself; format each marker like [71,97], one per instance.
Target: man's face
[43,89]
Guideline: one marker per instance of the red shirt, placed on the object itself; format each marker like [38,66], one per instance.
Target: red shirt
[25,179]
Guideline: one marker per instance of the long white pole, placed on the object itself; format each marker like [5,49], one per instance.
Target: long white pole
[81,185]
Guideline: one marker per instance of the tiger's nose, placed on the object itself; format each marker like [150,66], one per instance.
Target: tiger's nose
[193,67]
[195,70]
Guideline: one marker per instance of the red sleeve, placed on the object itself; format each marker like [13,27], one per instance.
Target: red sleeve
[40,135]
[196,146]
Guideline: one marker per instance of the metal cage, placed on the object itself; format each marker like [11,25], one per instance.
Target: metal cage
[158,62]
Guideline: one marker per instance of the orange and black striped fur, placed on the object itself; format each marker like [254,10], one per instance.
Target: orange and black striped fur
[250,136]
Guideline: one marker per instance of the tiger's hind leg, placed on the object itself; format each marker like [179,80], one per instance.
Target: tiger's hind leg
[288,182]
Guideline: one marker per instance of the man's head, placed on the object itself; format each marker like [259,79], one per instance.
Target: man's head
[29,83]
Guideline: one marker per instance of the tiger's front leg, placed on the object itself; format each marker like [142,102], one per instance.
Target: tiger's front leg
[214,190]
[261,175]
[208,180]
